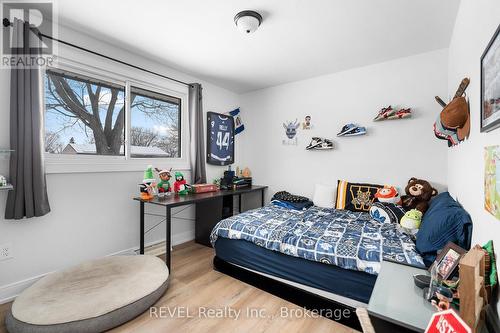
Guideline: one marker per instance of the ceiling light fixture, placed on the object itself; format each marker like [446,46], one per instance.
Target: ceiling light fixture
[248,21]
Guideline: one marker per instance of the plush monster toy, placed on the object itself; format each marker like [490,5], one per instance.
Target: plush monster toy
[411,221]
[180,185]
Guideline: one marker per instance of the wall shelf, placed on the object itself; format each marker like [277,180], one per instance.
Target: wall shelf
[6,188]
[6,151]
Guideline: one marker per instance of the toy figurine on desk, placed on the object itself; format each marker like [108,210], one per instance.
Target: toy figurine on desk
[148,185]
[164,184]
[180,185]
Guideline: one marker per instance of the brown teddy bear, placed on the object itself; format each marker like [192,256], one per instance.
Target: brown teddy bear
[418,194]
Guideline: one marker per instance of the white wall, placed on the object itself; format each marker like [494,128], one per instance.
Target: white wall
[476,23]
[92,213]
[391,153]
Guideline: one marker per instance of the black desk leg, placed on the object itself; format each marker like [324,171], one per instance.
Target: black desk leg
[141,233]
[239,203]
[168,241]
[262,202]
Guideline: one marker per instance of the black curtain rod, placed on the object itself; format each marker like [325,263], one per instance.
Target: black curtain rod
[7,23]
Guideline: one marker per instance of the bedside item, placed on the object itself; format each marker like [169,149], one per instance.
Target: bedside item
[448,260]
[204,188]
[445,221]
[471,288]
[396,304]
[442,298]
[418,194]
[422,281]
[386,212]
[355,197]
[220,139]
[410,222]
[490,76]
[241,182]
[318,143]
[324,196]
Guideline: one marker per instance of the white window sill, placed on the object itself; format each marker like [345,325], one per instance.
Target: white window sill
[92,164]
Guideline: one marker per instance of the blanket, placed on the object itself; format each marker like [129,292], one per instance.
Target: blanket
[336,237]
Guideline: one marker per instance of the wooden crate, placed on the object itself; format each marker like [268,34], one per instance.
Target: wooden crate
[471,289]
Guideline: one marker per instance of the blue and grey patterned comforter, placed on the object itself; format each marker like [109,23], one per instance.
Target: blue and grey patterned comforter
[337,237]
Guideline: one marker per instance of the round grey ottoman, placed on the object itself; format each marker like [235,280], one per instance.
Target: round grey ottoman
[92,297]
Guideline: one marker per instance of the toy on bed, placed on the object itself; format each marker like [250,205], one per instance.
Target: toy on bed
[291,201]
[164,187]
[410,222]
[418,194]
[148,186]
[388,194]
[180,185]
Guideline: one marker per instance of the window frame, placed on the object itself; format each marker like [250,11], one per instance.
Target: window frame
[66,163]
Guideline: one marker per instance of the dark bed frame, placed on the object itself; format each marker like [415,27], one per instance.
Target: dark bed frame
[290,293]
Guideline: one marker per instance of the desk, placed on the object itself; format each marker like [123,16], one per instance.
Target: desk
[207,215]
[397,301]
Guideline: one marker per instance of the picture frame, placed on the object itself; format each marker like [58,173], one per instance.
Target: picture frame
[447,260]
[220,139]
[490,84]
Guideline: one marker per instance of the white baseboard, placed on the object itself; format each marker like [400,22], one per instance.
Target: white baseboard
[10,291]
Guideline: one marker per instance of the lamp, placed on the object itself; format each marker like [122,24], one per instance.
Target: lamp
[248,21]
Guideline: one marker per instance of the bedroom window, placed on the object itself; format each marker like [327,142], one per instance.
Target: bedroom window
[83,116]
[99,121]
[155,124]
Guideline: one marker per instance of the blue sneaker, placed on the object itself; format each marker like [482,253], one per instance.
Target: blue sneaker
[357,131]
[346,129]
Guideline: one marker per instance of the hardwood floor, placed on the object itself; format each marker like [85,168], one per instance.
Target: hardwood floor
[196,289]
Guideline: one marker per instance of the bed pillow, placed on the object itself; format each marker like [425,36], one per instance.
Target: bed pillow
[445,221]
[355,197]
[386,212]
[324,196]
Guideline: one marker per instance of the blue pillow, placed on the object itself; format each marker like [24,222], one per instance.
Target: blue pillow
[445,221]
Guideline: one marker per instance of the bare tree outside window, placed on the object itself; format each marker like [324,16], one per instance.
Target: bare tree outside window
[87,116]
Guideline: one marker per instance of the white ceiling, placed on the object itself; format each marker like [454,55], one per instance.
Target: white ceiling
[298,39]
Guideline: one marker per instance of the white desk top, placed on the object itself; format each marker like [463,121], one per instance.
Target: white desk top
[395,297]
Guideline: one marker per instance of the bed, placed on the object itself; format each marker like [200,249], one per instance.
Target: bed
[333,253]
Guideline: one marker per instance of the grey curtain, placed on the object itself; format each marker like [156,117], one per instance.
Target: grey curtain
[27,174]
[196,133]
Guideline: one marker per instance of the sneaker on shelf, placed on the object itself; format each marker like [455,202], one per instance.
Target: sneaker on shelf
[315,141]
[346,129]
[357,131]
[385,113]
[326,144]
[401,114]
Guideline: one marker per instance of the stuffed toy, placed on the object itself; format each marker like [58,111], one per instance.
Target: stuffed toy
[180,184]
[388,194]
[147,188]
[164,183]
[411,221]
[418,194]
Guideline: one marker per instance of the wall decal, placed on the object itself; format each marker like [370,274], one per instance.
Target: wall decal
[490,84]
[491,182]
[306,124]
[291,132]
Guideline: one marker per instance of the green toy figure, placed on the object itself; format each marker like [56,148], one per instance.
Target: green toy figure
[164,184]
[180,185]
[411,221]
[148,185]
